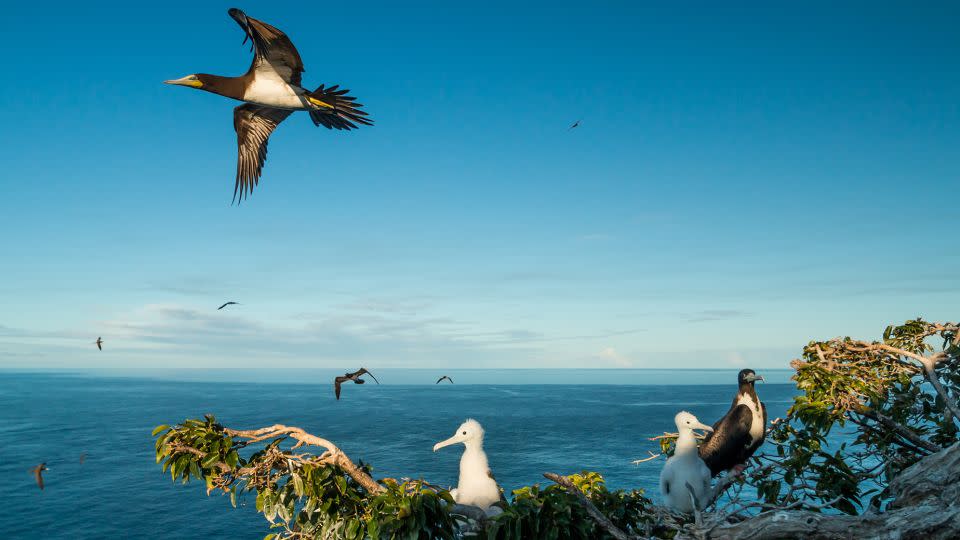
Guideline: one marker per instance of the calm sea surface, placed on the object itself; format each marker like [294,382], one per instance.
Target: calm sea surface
[536,421]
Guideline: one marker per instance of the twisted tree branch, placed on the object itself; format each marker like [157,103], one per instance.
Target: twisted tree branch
[602,520]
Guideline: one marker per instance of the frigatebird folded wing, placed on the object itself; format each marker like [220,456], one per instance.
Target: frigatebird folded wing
[726,447]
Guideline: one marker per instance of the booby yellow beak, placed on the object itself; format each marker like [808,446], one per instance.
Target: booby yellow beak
[190,80]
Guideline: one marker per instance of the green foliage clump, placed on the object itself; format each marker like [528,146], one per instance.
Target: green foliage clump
[302,496]
[884,402]
[552,513]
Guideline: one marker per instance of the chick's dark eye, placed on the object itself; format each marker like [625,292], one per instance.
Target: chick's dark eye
[464,432]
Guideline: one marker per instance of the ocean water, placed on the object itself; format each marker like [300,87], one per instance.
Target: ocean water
[536,421]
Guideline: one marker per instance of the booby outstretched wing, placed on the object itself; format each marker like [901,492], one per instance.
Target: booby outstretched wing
[447,377]
[253,124]
[273,53]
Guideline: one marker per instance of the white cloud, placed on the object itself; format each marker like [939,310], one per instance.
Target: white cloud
[611,355]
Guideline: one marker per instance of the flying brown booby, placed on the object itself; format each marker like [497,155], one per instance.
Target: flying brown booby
[740,432]
[38,473]
[99,343]
[271,91]
[228,304]
[447,377]
[355,377]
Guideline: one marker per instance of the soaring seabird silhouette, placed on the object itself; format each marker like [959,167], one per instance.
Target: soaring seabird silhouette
[685,478]
[99,343]
[477,486]
[38,473]
[575,125]
[355,377]
[228,304]
[447,377]
[271,91]
[740,432]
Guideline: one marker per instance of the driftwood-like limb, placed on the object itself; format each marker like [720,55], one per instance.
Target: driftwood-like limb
[333,454]
[930,371]
[897,428]
[924,507]
[602,520]
[646,459]
[929,364]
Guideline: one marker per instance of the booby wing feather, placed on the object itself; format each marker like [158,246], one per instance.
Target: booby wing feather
[364,371]
[725,447]
[274,53]
[336,385]
[253,124]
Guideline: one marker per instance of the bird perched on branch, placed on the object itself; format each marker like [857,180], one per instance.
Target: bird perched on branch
[38,473]
[271,90]
[447,377]
[355,377]
[685,478]
[477,486]
[740,432]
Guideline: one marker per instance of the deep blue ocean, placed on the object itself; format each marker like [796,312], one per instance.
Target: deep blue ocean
[536,421]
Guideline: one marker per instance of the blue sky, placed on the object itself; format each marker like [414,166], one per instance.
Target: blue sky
[747,177]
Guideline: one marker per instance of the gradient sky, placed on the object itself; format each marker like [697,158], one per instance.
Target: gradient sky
[747,177]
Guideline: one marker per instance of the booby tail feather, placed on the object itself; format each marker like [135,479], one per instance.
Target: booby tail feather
[337,109]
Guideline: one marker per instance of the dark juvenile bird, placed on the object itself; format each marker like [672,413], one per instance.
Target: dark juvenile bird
[99,343]
[355,377]
[271,90]
[575,125]
[740,432]
[447,377]
[228,304]
[38,473]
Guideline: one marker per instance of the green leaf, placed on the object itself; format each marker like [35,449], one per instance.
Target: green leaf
[158,429]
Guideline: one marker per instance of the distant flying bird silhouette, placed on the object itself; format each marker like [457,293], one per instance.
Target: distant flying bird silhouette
[38,473]
[355,377]
[575,125]
[228,304]
[99,343]
[447,377]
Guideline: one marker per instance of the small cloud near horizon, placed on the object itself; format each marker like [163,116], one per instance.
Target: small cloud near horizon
[611,355]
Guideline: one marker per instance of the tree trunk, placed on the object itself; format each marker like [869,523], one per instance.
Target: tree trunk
[925,506]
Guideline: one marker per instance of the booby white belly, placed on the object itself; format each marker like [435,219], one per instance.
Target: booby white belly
[275,92]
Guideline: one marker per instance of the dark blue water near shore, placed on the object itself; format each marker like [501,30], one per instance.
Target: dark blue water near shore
[119,491]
